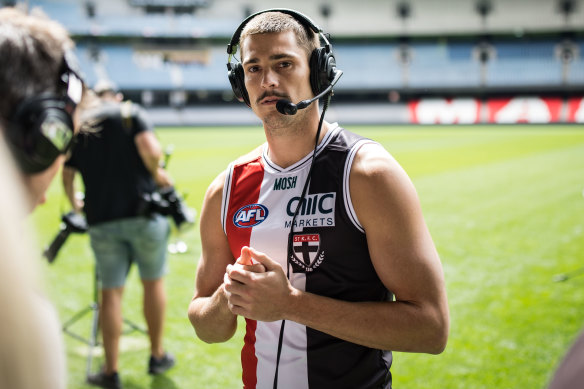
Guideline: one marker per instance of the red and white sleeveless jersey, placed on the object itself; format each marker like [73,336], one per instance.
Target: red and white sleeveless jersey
[329,257]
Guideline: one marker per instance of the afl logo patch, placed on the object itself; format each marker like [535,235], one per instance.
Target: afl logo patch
[250,215]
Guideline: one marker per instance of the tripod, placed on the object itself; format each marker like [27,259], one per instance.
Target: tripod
[93,308]
[569,275]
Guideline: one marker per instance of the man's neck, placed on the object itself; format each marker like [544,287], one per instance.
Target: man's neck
[285,149]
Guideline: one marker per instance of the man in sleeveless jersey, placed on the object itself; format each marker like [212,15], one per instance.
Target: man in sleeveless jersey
[118,165]
[359,277]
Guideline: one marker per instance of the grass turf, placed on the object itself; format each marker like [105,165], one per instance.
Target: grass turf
[505,206]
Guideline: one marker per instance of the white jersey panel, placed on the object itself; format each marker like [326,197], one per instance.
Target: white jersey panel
[271,238]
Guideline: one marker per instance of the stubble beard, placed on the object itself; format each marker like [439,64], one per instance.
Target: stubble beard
[277,124]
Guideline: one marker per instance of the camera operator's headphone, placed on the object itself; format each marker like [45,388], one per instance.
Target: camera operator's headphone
[322,61]
[42,127]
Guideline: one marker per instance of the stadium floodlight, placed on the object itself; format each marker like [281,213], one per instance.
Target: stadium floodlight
[404,10]
[567,7]
[484,8]
[326,10]
[90,9]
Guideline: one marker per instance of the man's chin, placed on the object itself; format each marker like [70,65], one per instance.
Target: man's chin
[275,119]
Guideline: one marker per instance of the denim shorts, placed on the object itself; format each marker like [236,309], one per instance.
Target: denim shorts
[116,244]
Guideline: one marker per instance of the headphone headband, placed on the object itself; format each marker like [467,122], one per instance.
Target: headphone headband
[301,18]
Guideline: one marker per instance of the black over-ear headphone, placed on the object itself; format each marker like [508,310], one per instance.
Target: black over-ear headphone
[42,127]
[322,60]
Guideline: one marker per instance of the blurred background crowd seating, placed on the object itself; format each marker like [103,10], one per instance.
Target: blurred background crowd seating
[398,55]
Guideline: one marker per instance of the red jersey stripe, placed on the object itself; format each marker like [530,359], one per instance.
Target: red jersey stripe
[246,182]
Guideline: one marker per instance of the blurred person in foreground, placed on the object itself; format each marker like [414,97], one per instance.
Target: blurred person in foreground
[41,95]
[119,164]
[329,281]
[569,374]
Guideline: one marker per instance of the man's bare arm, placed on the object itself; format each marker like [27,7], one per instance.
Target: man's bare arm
[402,253]
[68,179]
[150,152]
[208,311]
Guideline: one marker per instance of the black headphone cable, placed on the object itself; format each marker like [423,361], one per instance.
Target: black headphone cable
[290,249]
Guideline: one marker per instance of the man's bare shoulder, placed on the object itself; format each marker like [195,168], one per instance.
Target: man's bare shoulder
[252,155]
[373,159]
[377,178]
[216,186]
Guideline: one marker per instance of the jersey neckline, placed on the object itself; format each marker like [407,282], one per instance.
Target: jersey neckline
[304,162]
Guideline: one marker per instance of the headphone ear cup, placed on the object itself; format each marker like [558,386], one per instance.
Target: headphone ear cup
[322,69]
[237,81]
[40,130]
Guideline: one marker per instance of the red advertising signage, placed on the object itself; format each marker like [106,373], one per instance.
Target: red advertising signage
[445,111]
[575,110]
[524,110]
[519,109]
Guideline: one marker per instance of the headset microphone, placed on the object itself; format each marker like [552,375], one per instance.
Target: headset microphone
[286,107]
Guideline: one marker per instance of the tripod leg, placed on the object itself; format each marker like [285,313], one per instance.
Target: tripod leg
[567,276]
[93,338]
[134,327]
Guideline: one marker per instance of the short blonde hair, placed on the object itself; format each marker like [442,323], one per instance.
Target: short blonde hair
[274,21]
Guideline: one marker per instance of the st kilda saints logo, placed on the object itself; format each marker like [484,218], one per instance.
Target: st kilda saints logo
[307,253]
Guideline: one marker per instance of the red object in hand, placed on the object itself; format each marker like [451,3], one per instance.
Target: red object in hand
[245,258]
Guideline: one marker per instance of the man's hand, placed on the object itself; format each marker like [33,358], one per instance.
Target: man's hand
[78,205]
[162,178]
[259,290]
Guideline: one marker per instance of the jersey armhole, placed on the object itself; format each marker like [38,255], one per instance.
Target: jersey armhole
[346,184]
[226,194]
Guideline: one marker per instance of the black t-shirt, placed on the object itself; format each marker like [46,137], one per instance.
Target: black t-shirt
[113,172]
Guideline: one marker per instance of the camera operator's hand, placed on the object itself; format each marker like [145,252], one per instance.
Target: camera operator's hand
[78,205]
[76,201]
[162,178]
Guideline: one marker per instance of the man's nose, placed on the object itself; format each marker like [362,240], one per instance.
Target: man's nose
[269,79]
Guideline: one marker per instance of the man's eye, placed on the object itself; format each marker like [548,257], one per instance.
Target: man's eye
[252,69]
[285,64]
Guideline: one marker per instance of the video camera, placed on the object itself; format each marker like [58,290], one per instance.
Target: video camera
[71,223]
[167,202]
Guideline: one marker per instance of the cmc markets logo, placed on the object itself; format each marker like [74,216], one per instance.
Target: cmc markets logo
[250,215]
[316,210]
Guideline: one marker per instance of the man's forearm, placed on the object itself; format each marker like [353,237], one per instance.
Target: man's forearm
[68,180]
[397,325]
[211,318]
[150,151]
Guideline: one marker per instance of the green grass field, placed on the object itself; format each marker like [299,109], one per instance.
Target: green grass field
[505,206]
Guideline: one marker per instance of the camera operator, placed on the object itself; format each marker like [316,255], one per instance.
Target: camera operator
[119,164]
[41,94]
